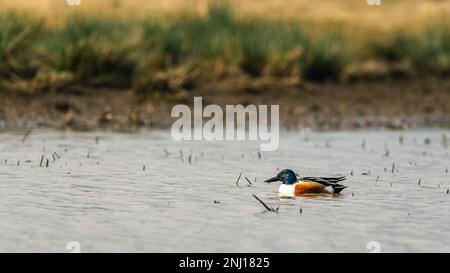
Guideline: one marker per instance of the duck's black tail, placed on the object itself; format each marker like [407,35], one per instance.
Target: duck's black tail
[337,188]
[328,181]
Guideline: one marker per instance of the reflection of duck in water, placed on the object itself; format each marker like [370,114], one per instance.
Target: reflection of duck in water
[292,186]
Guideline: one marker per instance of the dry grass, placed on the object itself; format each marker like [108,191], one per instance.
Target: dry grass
[391,13]
[170,44]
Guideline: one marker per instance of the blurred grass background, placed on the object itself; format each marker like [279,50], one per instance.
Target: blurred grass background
[173,44]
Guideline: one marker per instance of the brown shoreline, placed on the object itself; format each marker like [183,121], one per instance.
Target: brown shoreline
[391,103]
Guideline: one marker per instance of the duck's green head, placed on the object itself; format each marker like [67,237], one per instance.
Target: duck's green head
[286,176]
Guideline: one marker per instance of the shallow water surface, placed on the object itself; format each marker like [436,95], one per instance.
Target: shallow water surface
[144,192]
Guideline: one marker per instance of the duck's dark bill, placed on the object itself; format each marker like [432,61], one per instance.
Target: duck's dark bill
[273,179]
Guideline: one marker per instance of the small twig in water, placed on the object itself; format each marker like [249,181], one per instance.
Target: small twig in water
[237,181]
[264,204]
[27,133]
[248,181]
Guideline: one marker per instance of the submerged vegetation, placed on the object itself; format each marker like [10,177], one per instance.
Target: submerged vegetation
[174,52]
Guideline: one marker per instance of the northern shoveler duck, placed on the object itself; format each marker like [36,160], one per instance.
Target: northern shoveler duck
[293,186]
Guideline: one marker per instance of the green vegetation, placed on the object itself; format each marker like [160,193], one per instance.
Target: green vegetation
[16,36]
[426,51]
[164,54]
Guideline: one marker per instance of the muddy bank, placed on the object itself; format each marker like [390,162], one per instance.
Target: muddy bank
[396,104]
